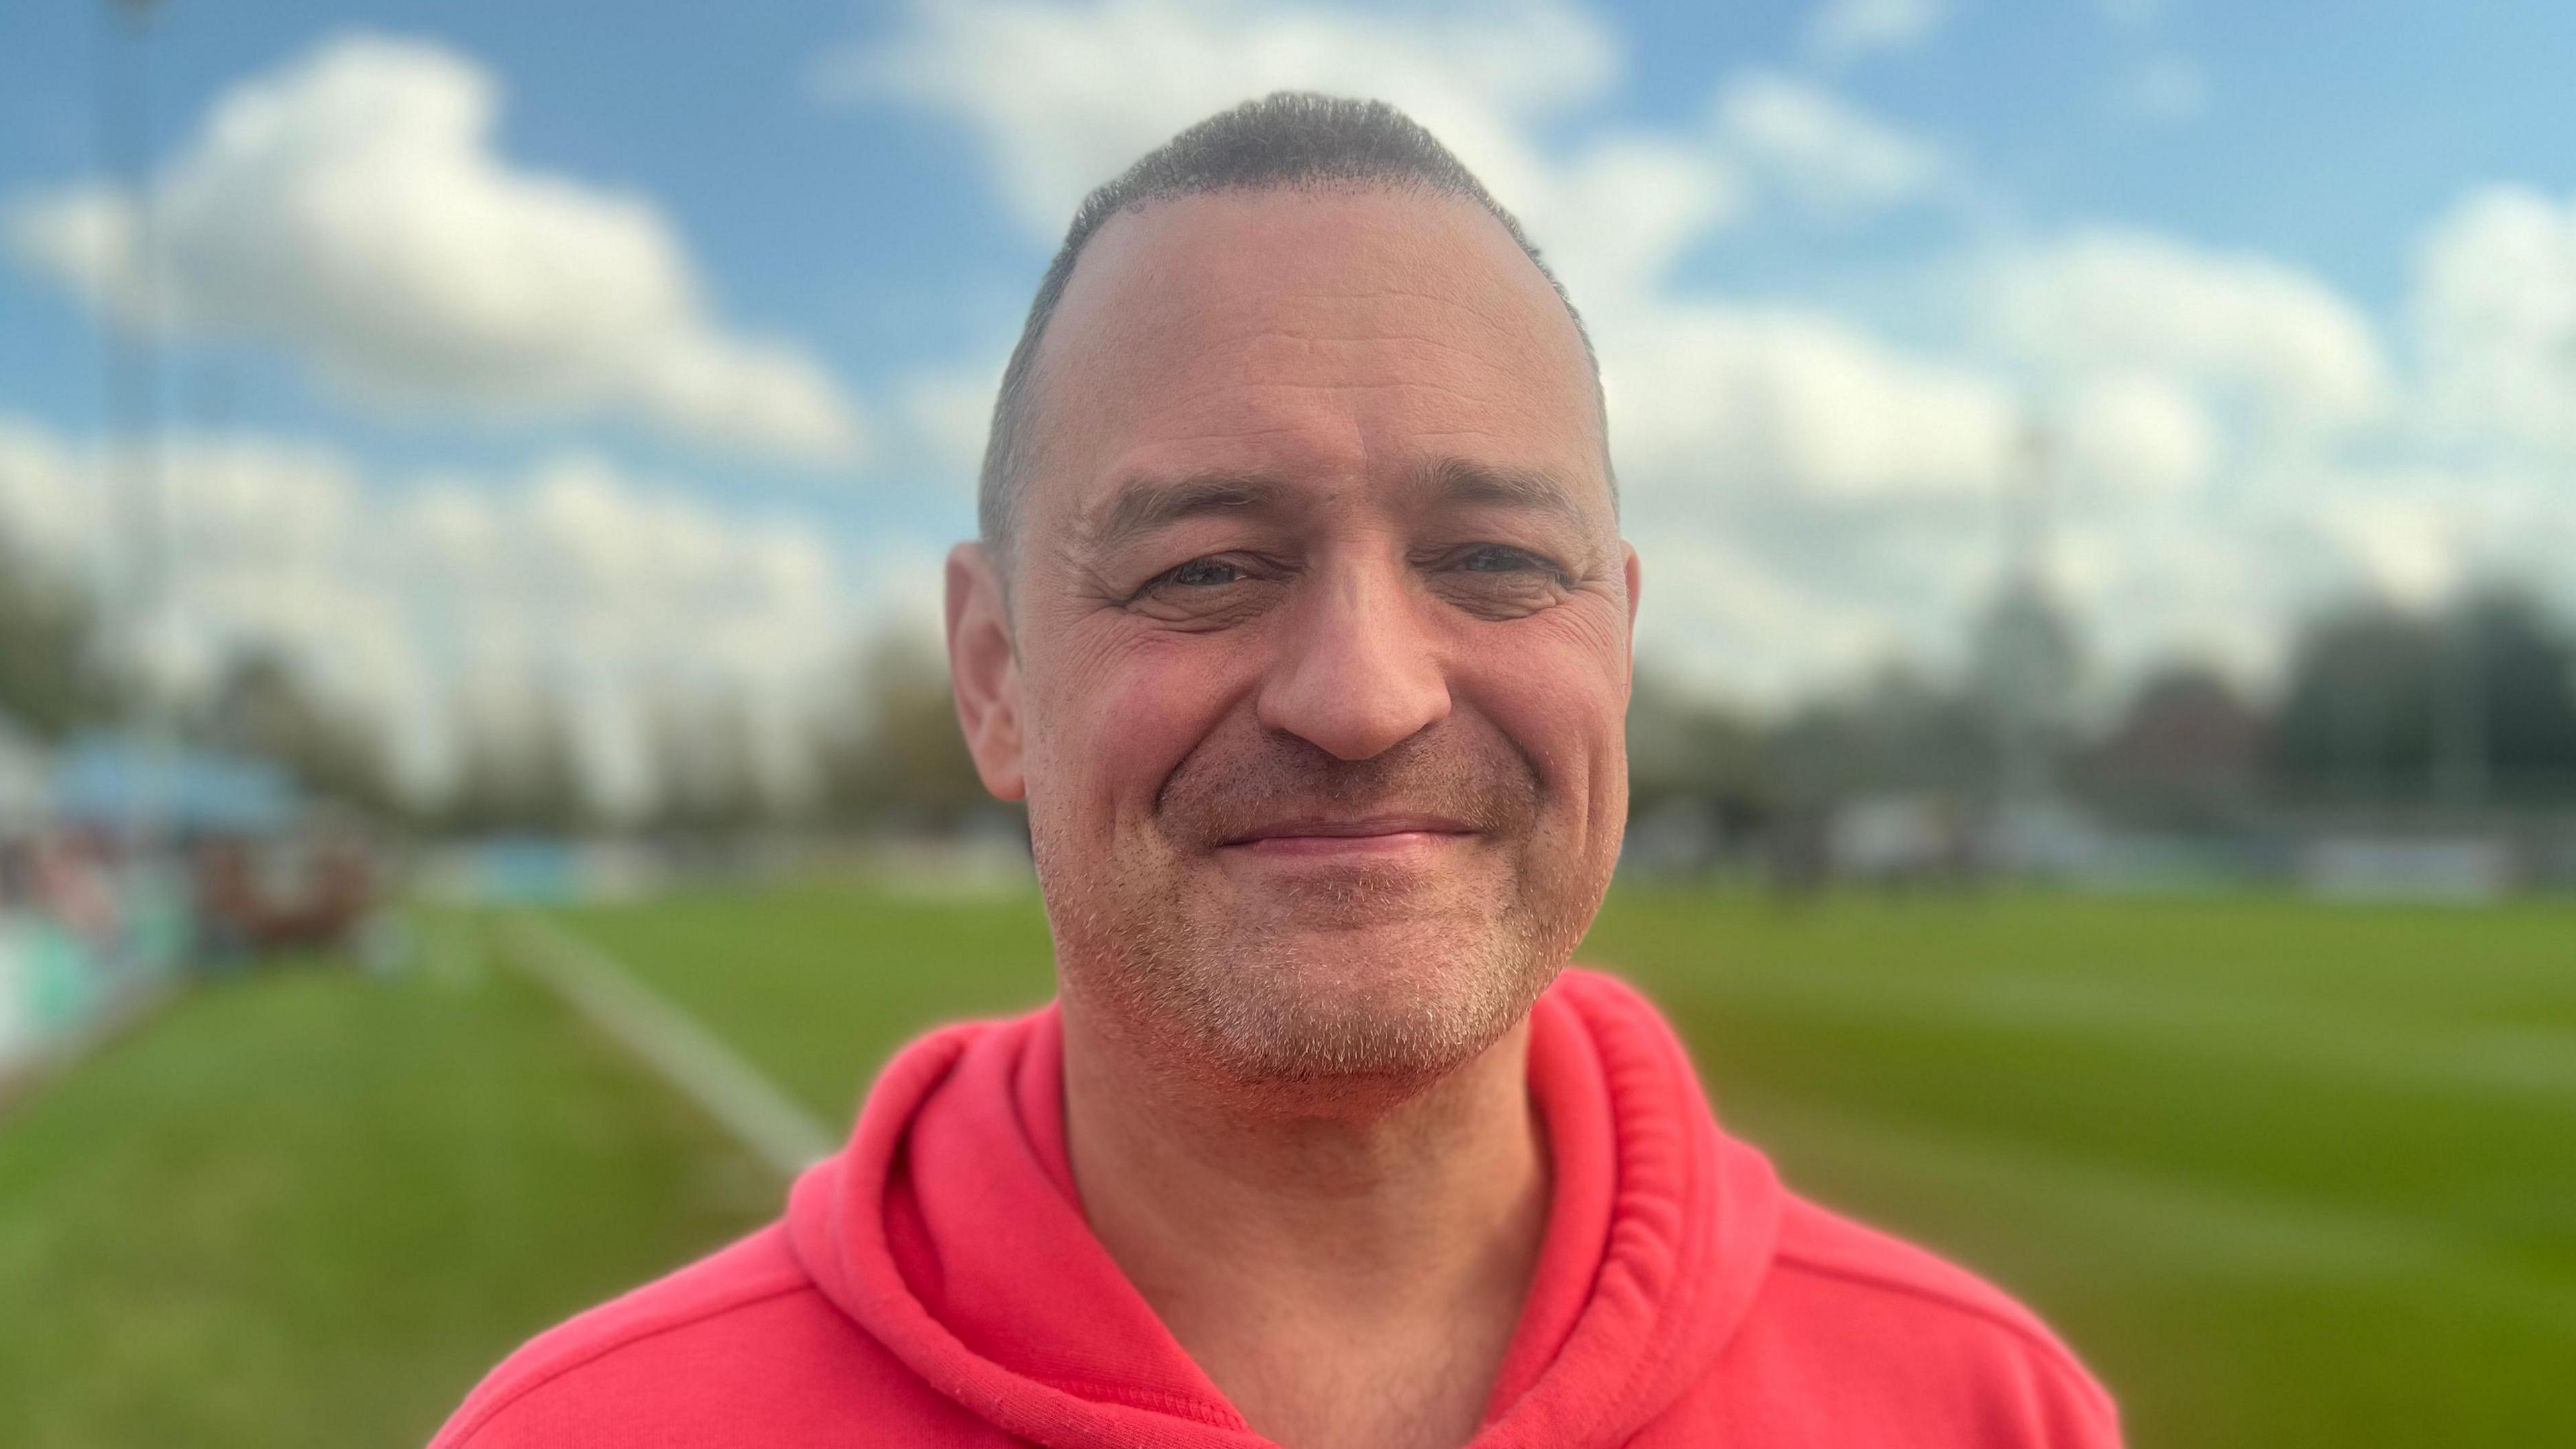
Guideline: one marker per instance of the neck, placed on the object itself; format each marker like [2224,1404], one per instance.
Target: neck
[1347,1267]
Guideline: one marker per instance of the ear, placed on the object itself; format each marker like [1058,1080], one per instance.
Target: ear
[984,671]
[1635,577]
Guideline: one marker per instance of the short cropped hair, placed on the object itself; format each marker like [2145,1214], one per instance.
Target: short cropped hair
[1287,140]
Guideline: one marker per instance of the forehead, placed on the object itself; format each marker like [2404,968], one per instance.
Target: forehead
[1335,336]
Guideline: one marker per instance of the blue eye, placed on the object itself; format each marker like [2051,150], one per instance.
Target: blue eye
[1497,560]
[1205,573]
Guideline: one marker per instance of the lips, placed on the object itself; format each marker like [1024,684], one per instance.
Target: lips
[1351,831]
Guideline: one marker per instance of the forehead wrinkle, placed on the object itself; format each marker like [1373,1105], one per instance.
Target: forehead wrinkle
[1110,310]
[1404,348]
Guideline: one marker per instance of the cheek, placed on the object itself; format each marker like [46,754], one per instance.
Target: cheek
[1564,702]
[1115,719]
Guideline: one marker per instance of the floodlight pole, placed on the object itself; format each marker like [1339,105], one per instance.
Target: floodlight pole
[133,402]
[2029,506]
[2460,764]
[2027,500]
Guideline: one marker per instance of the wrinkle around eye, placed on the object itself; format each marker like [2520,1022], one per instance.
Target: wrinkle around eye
[1167,599]
[1501,596]
[1528,580]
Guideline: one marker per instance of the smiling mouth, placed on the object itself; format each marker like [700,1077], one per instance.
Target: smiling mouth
[1369,834]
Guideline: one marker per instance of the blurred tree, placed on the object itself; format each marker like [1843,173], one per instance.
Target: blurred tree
[51,679]
[2189,750]
[2357,718]
[893,756]
[2509,735]
[1684,747]
[707,781]
[1697,792]
[1899,732]
[2475,709]
[263,707]
[517,772]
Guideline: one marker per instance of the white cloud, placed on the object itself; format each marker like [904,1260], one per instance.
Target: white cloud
[949,414]
[2495,303]
[2407,547]
[2263,333]
[1710,397]
[1835,159]
[1842,30]
[1807,499]
[2137,435]
[2168,88]
[1063,97]
[1720,610]
[1617,217]
[420,599]
[2231,577]
[351,207]
[2420,531]
[2151,584]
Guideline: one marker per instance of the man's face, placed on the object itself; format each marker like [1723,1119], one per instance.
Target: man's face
[1319,635]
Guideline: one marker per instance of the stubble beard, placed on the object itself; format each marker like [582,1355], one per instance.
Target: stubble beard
[1359,976]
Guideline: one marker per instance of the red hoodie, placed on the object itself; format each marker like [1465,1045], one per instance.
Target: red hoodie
[935,1283]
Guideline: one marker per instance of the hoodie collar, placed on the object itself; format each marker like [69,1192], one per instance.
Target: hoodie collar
[949,1228]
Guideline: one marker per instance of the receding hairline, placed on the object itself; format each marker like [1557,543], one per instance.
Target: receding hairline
[1291,143]
[1100,260]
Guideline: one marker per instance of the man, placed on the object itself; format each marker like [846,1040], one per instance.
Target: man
[1301,621]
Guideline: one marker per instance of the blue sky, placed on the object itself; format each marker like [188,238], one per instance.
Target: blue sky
[2290,289]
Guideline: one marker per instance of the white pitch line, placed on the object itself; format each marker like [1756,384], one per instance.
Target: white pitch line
[673,1043]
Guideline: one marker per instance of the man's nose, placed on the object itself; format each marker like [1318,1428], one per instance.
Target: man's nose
[1359,671]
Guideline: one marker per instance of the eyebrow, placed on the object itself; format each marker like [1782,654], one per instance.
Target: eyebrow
[1460,480]
[1148,505]
[1145,506]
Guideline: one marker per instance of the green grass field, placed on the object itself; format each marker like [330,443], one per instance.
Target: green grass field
[304,1208]
[2287,1175]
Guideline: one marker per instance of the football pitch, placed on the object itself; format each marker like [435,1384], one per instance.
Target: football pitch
[2285,1174]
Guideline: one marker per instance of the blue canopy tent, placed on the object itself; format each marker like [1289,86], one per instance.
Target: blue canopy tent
[114,781]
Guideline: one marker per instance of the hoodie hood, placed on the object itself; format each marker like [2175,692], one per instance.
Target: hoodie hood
[951,1231]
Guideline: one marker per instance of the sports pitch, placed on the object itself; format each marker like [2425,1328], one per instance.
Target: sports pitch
[2285,1174]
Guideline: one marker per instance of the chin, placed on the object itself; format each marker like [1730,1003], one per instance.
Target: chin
[1391,1004]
